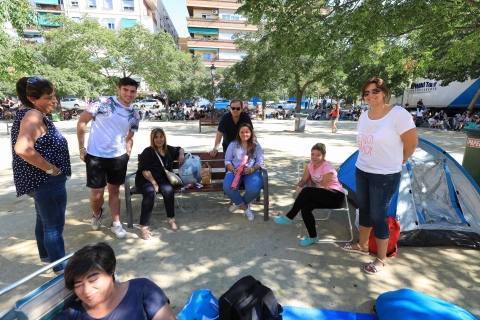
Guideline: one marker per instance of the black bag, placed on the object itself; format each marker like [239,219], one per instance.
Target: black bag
[249,299]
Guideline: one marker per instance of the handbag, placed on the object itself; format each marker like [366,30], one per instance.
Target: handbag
[206,174]
[172,177]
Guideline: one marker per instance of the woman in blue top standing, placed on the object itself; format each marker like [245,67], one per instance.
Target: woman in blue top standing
[41,164]
[243,163]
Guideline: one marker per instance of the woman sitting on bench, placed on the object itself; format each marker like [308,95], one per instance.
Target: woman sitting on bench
[319,188]
[90,273]
[243,163]
[151,178]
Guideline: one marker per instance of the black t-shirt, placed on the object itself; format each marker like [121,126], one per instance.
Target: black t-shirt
[142,301]
[148,160]
[230,129]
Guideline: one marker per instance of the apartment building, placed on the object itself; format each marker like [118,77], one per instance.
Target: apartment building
[213,26]
[113,14]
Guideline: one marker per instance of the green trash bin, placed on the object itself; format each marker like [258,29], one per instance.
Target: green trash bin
[55,116]
[471,157]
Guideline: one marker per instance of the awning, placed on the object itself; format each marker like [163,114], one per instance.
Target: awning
[43,19]
[127,23]
[209,31]
[51,2]
[203,49]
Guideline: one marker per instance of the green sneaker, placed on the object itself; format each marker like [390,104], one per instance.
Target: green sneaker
[307,241]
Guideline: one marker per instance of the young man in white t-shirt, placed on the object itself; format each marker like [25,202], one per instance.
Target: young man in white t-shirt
[108,151]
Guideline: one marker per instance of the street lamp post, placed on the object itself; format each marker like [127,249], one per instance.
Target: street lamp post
[212,74]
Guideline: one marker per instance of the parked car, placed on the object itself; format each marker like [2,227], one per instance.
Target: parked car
[73,103]
[148,103]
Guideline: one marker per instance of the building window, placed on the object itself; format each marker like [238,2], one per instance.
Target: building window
[108,4]
[92,3]
[74,3]
[110,24]
[128,5]
[232,17]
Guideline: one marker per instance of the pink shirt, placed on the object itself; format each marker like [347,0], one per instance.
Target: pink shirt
[318,173]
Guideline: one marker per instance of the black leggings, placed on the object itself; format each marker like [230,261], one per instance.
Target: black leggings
[148,191]
[315,198]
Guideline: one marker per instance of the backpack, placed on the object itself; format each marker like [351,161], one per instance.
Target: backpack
[249,299]
[392,248]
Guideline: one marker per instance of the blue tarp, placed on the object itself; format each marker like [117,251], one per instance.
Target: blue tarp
[300,313]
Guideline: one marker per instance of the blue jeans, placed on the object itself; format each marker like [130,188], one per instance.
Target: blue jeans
[50,204]
[253,184]
[374,193]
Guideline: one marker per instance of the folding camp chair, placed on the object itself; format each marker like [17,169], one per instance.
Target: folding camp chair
[44,302]
[301,167]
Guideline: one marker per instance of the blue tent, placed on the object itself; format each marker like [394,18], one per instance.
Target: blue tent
[437,201]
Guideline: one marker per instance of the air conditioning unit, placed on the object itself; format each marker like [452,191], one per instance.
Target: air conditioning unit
[215,11]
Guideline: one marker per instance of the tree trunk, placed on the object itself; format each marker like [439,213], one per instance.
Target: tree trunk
[264,106]
[298,98]
[471,106]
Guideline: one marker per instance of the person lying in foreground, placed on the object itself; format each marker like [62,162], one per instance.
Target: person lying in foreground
[90,273]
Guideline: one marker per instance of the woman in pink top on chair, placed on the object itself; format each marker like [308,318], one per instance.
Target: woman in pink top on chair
[318,188]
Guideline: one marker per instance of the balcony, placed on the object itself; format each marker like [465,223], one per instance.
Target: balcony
[217,44]
[219,4]
[220,63]
[220,24]
[48,6]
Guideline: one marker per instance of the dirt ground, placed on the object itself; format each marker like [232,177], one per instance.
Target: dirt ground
[214,248]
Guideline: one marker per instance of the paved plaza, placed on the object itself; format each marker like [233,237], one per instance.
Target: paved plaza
[214,248]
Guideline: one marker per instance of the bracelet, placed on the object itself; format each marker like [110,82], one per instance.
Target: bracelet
[82,148]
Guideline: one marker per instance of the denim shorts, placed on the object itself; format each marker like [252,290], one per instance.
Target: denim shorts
[374,193]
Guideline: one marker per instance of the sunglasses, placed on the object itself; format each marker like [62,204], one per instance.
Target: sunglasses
[374,91]
[236,109]
[34,79]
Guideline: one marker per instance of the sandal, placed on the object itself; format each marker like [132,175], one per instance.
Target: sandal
[173,224]
[374,267]
[355,247]
[145,233]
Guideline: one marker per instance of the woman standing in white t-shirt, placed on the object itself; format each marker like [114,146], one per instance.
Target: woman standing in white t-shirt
[387,137]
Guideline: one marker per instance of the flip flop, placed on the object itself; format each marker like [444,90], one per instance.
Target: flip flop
[355,248]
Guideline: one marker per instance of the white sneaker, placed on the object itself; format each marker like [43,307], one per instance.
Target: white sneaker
[233,207]
[97,220]
[118,230]
[249,214]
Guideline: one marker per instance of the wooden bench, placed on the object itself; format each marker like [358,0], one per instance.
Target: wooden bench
[218,174]
[209,121]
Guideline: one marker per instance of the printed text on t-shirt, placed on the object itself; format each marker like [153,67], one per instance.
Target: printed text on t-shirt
[365,143]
